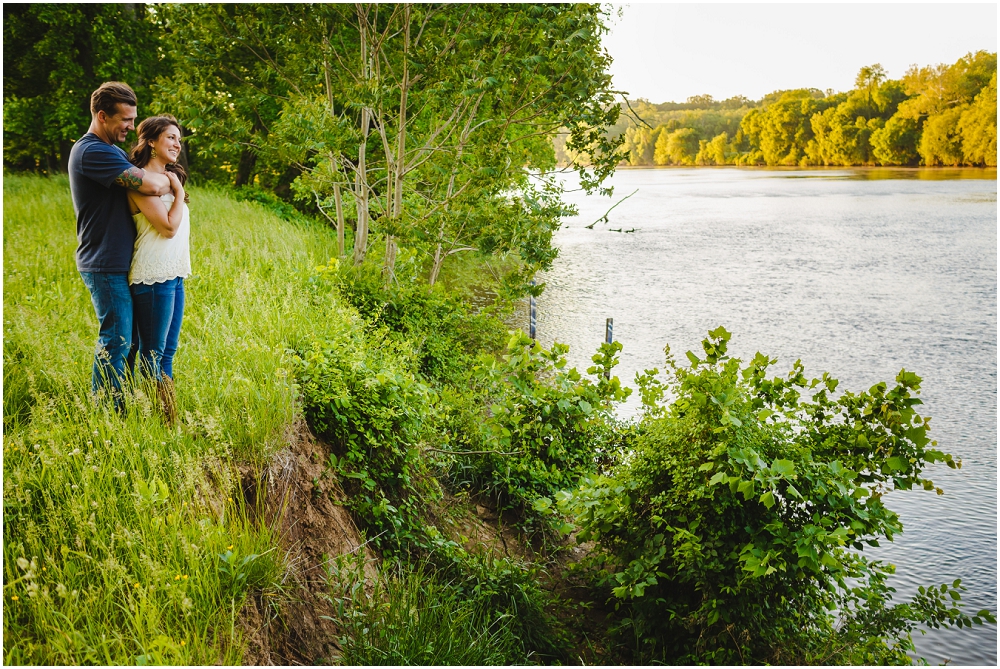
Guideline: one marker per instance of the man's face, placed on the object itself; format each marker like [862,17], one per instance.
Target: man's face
[116,128]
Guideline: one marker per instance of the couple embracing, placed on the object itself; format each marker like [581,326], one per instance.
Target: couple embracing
[133,230]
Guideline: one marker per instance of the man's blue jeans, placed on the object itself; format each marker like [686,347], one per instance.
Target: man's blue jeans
[113,305]
[159,309]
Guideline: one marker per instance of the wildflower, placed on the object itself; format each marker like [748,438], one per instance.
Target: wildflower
[182,642]
[230,547]
[185,577]
[15,598]
[230,499]
[177,578]
[136,585]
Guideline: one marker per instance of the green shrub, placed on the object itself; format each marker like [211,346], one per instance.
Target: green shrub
[543,426]
[737,523]
[446,333]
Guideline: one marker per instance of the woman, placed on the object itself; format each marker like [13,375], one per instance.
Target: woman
[161,259]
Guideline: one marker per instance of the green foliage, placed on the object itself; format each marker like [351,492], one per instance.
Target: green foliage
[55,55]
[454,158]
[446,333]
[978,126]
[738,520]
[940,115]
[361,395]
[542,427]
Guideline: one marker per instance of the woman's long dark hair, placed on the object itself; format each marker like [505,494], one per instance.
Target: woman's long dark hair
[149,131]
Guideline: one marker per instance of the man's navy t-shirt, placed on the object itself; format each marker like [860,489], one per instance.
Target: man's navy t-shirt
[104,225]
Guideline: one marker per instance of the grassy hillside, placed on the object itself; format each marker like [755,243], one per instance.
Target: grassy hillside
[114,527]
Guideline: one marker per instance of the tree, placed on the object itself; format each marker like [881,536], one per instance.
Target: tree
[941,140]
[978,127]
[782,130]
[896,142]
[679,147]
[55,56]
[435,121]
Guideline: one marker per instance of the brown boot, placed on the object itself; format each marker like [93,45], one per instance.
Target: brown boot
[168,399]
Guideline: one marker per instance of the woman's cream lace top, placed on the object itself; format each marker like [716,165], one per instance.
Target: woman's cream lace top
[155,258]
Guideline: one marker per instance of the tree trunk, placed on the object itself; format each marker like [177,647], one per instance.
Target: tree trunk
[245,167]
[340,220]
[436,267]
[397,185]
[361,175]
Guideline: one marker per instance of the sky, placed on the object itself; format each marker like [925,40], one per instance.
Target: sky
[669,52]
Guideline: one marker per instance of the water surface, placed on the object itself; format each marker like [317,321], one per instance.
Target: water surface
[857,272]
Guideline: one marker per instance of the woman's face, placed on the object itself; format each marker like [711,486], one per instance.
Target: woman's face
[168,144]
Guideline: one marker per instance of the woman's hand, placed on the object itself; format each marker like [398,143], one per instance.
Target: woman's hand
[175,185]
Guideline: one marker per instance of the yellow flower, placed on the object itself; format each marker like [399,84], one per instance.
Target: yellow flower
[137,585]
[230,547]
[182,642]
[177,578]
[15,598]
[185,577]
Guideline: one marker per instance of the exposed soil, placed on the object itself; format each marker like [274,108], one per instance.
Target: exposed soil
[298,497]
[295,497]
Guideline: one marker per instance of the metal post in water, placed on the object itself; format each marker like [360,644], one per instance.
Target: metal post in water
[609,326]
[532,315]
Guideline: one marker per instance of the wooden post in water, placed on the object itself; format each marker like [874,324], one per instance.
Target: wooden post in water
[609,326]
[532,316]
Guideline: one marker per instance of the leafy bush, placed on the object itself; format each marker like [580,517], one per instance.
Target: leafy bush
[546,425]
[738,521]
[446,333]
[361,396]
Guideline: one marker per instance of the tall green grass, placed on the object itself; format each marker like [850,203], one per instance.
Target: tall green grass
[125,540]
[414,617]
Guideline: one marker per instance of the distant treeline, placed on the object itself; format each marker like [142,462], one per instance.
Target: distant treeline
[935,115]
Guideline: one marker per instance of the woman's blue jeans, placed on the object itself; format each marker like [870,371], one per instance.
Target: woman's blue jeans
[159,309]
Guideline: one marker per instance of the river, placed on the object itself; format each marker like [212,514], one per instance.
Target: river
[856,272]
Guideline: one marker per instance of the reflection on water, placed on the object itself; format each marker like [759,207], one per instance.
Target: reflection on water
[856,272]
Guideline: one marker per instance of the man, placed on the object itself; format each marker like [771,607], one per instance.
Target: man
[99,173]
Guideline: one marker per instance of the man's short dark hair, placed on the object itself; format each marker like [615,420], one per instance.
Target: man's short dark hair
[109,96]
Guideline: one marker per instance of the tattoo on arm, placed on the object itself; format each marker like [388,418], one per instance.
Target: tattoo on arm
[131,178]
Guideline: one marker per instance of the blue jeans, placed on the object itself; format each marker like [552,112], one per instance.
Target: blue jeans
[113,305]
[159,309]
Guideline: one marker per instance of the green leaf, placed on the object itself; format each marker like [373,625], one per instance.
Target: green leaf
[767,499]
[708,466]
[783,467]
[719,477]
[896,463]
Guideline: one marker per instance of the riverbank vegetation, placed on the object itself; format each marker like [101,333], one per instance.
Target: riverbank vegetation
[372,463]
[934,115]
[740,501]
